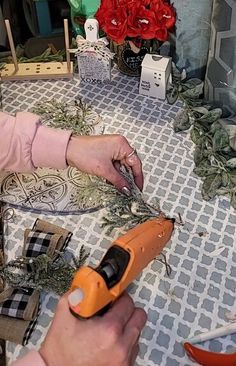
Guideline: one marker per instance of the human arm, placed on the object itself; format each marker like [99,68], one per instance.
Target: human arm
[26,144]
[111,339]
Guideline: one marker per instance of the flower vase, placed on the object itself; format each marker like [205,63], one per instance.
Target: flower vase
[129,55]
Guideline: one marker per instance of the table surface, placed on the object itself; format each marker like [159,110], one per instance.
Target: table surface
[200,292]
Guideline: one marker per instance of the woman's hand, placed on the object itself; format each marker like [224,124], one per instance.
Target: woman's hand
[102,341]
[102,156]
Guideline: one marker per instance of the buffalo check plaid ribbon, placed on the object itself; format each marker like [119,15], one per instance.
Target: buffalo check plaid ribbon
[37,243]
[19,308]
[16,304]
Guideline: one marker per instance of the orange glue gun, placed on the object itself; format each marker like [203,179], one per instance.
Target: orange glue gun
[94,289]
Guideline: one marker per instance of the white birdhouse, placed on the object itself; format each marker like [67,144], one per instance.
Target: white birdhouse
[156,71]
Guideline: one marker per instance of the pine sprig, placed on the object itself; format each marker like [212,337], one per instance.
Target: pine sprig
[127,212]
[51,275]
[83,256]
[95,191]
[77,116]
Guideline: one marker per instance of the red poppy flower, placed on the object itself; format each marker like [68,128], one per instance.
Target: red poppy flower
[146,19]
[165,14]
[141,23]
[101,12]
[161,34]
[115,24]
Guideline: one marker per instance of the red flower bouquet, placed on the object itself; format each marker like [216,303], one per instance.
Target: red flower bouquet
[128,19]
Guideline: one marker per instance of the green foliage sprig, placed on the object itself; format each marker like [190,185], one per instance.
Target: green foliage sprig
[49,55]
[46,56]
[77,116]
[127,212]
[45,273]
[215,138]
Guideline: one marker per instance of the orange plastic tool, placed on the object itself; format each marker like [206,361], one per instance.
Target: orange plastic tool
[93,289]
[206,358]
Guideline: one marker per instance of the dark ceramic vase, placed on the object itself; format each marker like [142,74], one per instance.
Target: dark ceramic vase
[129,57]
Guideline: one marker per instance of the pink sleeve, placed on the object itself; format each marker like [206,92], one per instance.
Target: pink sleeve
[26,144]
[32,358]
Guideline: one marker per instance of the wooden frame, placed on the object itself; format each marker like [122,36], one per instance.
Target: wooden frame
[39,70]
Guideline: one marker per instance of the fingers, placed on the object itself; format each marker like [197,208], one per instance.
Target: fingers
[127,156]
[134,353]
[117,166]
[116,178]
[135,164]
[121,311]
[134,327]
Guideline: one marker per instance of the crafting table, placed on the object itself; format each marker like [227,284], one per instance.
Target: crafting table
[200,293]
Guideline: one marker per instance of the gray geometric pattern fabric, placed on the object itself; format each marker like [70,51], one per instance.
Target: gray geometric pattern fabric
[192,35]
[221,70]
[46,190]
[200,292]
[50,189]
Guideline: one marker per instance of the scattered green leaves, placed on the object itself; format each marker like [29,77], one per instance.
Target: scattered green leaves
[215,138]
[188,91]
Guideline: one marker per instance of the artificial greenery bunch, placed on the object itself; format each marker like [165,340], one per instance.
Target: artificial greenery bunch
[49,55]
[214,137]
[128,211]
[77,116]
[42,272]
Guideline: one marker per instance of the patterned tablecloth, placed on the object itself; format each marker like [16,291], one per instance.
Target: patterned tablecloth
[201,290]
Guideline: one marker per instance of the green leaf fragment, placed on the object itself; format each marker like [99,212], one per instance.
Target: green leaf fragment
[198,155]
[211,116]
[172,94]
[231,163]
[232,177]
[195,135]
[194,90]
[210,186]
[182,121]
[220,140]
[201,110]
[203,170]
[233,200]
[225,179]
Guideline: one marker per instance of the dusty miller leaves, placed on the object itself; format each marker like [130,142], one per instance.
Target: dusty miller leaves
[215,139]
[182,121]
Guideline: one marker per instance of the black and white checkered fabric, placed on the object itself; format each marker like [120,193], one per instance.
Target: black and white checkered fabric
[30,328]
[37,243]
[16,304]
